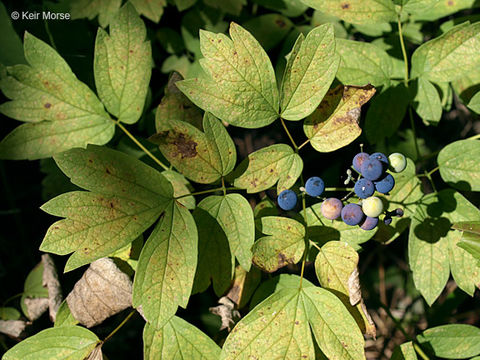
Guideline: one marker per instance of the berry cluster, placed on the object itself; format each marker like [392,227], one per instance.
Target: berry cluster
[373,177]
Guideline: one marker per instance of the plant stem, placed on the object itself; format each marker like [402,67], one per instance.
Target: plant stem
[338,189]
[315,245]
[119,326]
[420,352]
[474,137]
[11,298]
[404,52]
[305,253]
[145,150]
[224,189]
[432,171]
[289,135]
[395,320]
[304,143]
[412,124]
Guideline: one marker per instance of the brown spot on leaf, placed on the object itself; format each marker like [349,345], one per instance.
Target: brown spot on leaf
[47,105]
[107,170]
[280,23]
[297,322]
[345,6]
[450,3]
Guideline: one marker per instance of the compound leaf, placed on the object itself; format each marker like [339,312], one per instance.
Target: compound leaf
[449,56]
[284,244]
[178,338]
[64,342]
[62,112]
[105,9]
[363,63]
[234,214]
[267,166]
[151,9]
[201,157]
[310,70]
[123,65]
[125,199]
[241,87]
[459,166]
[334,124]
[166,267]
[356,11]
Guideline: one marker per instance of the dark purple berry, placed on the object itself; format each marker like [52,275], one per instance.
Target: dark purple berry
[381,157]
[372,169]
[370,223]
[399,212]
[287,200]
[385,185]
[387,220]
[331,208]
[314,186]
[364,188]
[358,160]
[352,214]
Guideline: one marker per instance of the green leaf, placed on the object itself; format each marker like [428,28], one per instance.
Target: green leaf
[291,8]
[427,102]
[201,157]
[404,351]
[470,240]
[234,214]
[257,335]
[362,63]
[467,86]
[166,267]
[66,342]
[334,124]
[334,264]
[468,226]
[459,166]
[184,4]
[269,29]
[474,103]
[322,230]
[391,104]
[233,7]
[176,106]
[310,70]
[267,166]
[284,244]
[449,56]
[177,338]
[335,330]
[181,187]
[62,111]
[432,246]
[12,50]
[151,9]
[9,313]
[241,88]
[436,9]
[64,316]
[33,289]
[374,30]
[356,11]
[215,262]
[126,197]
[454,341]
[123,65]
[105,9]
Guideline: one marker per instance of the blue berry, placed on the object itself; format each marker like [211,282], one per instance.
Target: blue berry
[314,186]
[385,185]
[387,220]
[398,212]
[364,188]
[382,158]
[352,214]
[372,169]
[370,223]
[287,200]
[358,161]
[331,208]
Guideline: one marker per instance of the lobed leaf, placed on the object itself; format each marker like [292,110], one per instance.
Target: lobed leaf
[458,165]
[166,267]
[363,63]
[123,65]
[201,157]
[62,112]
[241,87]
[449,56]
[178,338]
[334,124]
[64,342]
[235,216]
[105,9]
[267,166]
[284,245]
[151,9]
[310,70]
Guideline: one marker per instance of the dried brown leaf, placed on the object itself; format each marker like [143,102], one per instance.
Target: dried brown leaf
[13,328]
[227,312]
[35,307]
[51,282]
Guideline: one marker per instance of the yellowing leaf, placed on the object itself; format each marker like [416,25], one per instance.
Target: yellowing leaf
[123,65]
[166,267]
[240,88]
[334,124]
[267,166]
[61,111]
[310,70]
[284,244]
[201,157]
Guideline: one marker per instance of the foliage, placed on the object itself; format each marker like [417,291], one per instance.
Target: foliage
[183,124]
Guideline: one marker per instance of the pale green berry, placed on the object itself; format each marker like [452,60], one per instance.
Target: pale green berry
[398,162]
[372,206]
